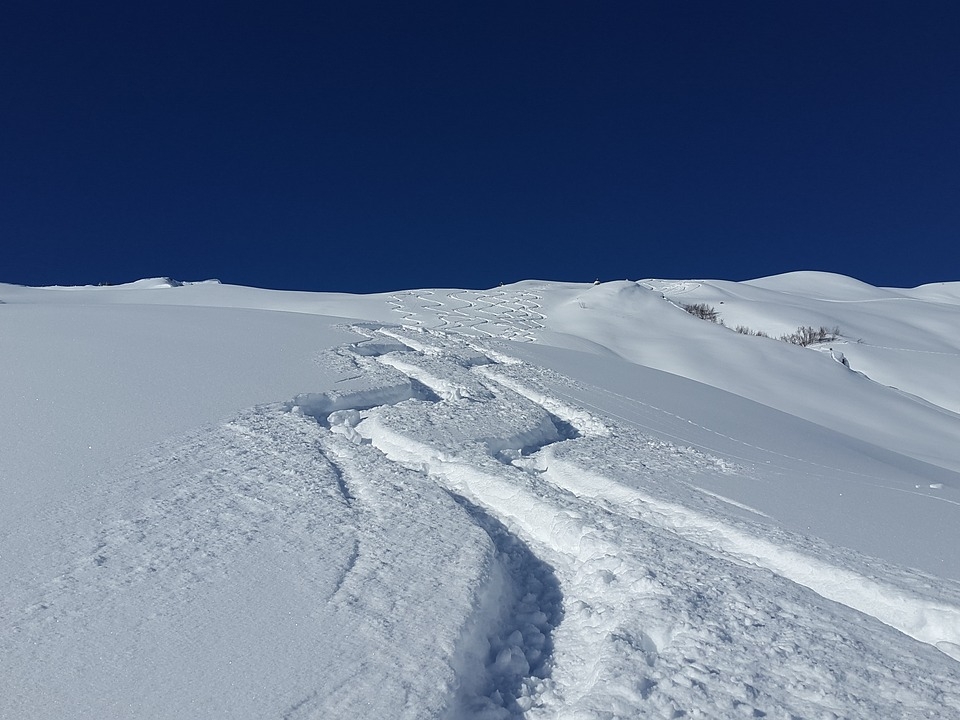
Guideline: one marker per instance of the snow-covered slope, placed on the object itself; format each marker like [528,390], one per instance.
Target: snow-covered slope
[540,500]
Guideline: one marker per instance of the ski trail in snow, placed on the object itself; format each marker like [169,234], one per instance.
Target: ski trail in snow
[503,655]
[504,313]
[926,620]
[727,500]
[465,321]
[668,287]
[398,304]
[659,599]
[909,350]
[512,663]
[661,419]
[486,544]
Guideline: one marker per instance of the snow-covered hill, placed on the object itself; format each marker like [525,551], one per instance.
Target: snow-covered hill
[542,500]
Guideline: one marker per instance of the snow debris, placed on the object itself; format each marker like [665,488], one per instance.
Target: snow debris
[540,501]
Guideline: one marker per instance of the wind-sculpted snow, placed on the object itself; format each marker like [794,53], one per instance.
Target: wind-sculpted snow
[507,313]
[905,339]
[467,505]
[255,539]
[667,609]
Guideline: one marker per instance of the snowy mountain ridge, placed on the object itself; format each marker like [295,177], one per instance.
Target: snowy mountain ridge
[540,500]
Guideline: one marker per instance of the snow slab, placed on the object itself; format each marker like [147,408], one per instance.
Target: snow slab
[543,500]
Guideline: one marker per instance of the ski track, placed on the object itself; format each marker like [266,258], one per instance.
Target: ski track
[505,314]
[742,463]
[556,552]
[670,606]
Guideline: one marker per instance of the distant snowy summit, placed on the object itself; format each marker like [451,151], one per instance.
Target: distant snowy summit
[164,282]
[806,283]
[142,284]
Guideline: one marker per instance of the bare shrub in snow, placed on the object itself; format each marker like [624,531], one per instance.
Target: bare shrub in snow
[702,311]
[744,330]
[806,335]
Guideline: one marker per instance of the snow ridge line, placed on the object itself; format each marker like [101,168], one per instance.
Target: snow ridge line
[649,624]
[936,624]
[581,553]
[584,552]
[933,623]
[584,422]
[506,651]
[503,658]
[821,470]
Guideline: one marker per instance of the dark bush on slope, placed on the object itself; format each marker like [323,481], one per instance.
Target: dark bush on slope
[744,330]
[702,311]
[806,335]
[803,336]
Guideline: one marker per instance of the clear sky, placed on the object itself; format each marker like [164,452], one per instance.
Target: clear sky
[368,146]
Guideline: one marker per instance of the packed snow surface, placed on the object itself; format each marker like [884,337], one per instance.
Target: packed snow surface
[543,500]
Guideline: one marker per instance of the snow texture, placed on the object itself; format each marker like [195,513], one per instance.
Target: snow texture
[545,500]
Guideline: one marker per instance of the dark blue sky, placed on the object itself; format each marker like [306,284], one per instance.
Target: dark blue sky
[370,146]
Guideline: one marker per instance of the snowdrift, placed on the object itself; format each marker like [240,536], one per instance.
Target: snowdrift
[540,500]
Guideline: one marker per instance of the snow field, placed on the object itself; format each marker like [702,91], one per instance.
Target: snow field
[511,313]
[544,500]
[885,330]
[247,540]
[641,599]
